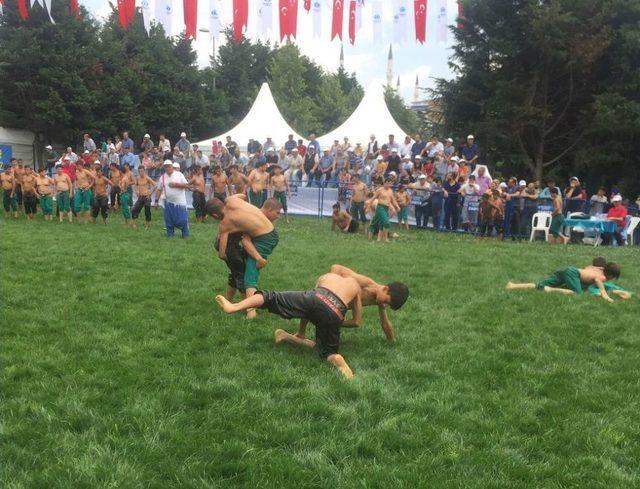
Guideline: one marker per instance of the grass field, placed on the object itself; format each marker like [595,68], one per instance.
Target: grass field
[118,371]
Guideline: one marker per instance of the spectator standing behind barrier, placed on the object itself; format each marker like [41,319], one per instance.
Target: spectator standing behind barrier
[470,191]
[511,209]
[451,193]
[88,144]
[421,193]
[435,203]
[573,196]
[52,158]
[313,144]
[470,152]
[417,147]
[546,192]
[171,187]
[529,203]
[310,164]
[290,144]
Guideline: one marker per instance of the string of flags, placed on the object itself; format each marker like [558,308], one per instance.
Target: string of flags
[288,12]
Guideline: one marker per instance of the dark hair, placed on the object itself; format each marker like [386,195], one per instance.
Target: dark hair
[399,293]
[336,206]
[272,204]
[213,206]
[612,270]
[599,261]
[233,167]
[553,191]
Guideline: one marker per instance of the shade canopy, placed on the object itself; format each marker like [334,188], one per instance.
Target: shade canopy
[262,121]
[372,116]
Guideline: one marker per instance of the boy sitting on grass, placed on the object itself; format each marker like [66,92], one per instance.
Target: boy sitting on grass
[572,280]
[325,307]
[343,220]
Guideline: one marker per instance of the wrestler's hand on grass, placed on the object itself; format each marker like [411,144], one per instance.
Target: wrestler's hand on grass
[300,335]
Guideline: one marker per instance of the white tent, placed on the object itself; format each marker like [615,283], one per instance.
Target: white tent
[263,120]
[372,116]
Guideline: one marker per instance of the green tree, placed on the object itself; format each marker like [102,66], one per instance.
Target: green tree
[47,72]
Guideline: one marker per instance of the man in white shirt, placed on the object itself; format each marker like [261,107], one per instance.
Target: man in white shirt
[172,187]
[434,147]
[405,148]
[294,164]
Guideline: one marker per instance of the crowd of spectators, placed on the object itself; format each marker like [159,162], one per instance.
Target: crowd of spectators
[449,186]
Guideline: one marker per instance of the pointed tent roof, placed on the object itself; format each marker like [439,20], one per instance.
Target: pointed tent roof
[372,116]
[263,120]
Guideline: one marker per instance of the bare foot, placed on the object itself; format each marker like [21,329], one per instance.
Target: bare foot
[251,313]
[279,335]
[565,240]
[261,263]
[547,288]
[509,286]
[224,304]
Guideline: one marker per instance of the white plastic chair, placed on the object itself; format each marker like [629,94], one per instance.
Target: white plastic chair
[541,221]
[631,228]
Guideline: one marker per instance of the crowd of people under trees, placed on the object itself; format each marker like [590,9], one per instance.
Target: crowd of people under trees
[445,182]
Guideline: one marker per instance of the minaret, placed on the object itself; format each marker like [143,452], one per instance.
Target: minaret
[415,90]
[390,67]
[342,57]
[398,85]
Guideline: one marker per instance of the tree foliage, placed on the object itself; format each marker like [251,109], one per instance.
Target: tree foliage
[535,79]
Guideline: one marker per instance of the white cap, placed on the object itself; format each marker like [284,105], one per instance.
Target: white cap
[86,151]
[470,136]
[394,150]
[58,164]
[146,136]
[616,198]
[176,165]
[392,173]
[406,157]
[575,178]
[449,140]
[167,162]
[294,149]
[503,185]
[183,134]
[422,176]
[522,183]
[48,146]
[242,155]
[455,158]
[251,155]
[380,157]
[372,136]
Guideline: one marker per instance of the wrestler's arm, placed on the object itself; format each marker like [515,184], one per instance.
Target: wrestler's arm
[385,324]
[356,310]
[302,329]
[603,292]
[345,272]
[251,250]
[223,237]
[240,196]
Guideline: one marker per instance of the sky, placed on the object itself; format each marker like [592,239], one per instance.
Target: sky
[368,60]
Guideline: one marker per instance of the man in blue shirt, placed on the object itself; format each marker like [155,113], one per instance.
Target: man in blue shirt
[470,153]
[313,143]
[325,169]
[127,144]
[290,144]
[418,147]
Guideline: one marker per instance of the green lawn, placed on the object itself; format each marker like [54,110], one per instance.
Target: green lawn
[118,371]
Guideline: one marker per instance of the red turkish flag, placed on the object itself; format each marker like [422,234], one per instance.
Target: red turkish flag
[336,23]
[190,8]
[22,9]
[288,18]
[126,11]
[352,22]
[240,17]
[307,5]
[420,9]
[74,7]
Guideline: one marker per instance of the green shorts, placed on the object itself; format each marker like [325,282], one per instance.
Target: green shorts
[82,200]
[125,203]
[63,202]
[568,278]
[256,198]
[403,214]
[46,203]
[265,245]
[282,198]
[380,219]
[556,225]
[9,203]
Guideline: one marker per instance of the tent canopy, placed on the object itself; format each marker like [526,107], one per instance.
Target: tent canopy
[263,120]
[372,116]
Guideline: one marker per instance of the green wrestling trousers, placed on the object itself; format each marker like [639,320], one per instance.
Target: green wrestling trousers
[46,203]
[568,278]
[380,219]
[265,245]
[125,204]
